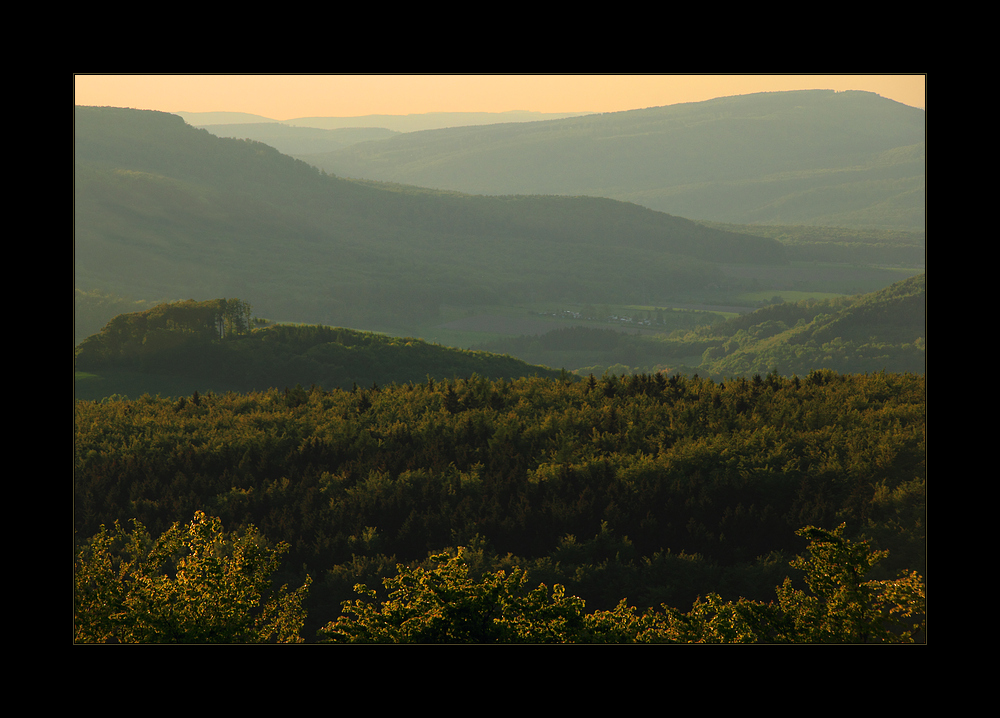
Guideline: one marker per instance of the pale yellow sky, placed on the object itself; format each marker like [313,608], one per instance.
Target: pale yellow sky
[286,97]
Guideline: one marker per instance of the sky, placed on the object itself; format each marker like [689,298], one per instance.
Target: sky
[287,97]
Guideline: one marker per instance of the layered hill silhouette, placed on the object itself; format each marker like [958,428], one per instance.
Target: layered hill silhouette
[184,347]
[393,123]
[880,331]
[852,159]
[877,331]
[181,347]
[164,210]
[292,140]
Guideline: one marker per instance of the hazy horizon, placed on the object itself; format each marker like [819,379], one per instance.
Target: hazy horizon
[286,97]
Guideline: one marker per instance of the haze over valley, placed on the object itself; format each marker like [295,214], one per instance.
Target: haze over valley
[641,357]
[168,212]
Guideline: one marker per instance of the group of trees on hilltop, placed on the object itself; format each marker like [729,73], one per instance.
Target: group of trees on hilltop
[129,339]
[213,346]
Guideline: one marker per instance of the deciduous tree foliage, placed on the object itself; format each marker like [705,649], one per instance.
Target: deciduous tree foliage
[194,584]
[840,605]
[444,605]
[659,489]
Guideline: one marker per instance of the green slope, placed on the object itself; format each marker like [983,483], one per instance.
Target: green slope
[175,349]
[805,157]
[294,141]
[884,330]
[165,210]
[841,245]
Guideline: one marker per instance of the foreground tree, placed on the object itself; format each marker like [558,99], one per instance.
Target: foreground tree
[841,607]
[444,605]
[194,584]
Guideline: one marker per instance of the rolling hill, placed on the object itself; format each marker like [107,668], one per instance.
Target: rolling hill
[872,332]
[291,140]
[884,330]
[167,211]
[184,347]
[390,123]
[820,157]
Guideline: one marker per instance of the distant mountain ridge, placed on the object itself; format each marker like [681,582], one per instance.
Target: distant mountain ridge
[199,119]
[293,141]
[805,157]
[164,210]
[396,123]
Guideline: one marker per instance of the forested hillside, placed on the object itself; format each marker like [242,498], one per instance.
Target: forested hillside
[164,210]
[883,330]
[858,246]
[647,488]
[183,347]
[818,157]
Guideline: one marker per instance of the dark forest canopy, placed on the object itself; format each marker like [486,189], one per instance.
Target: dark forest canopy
[647,487]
